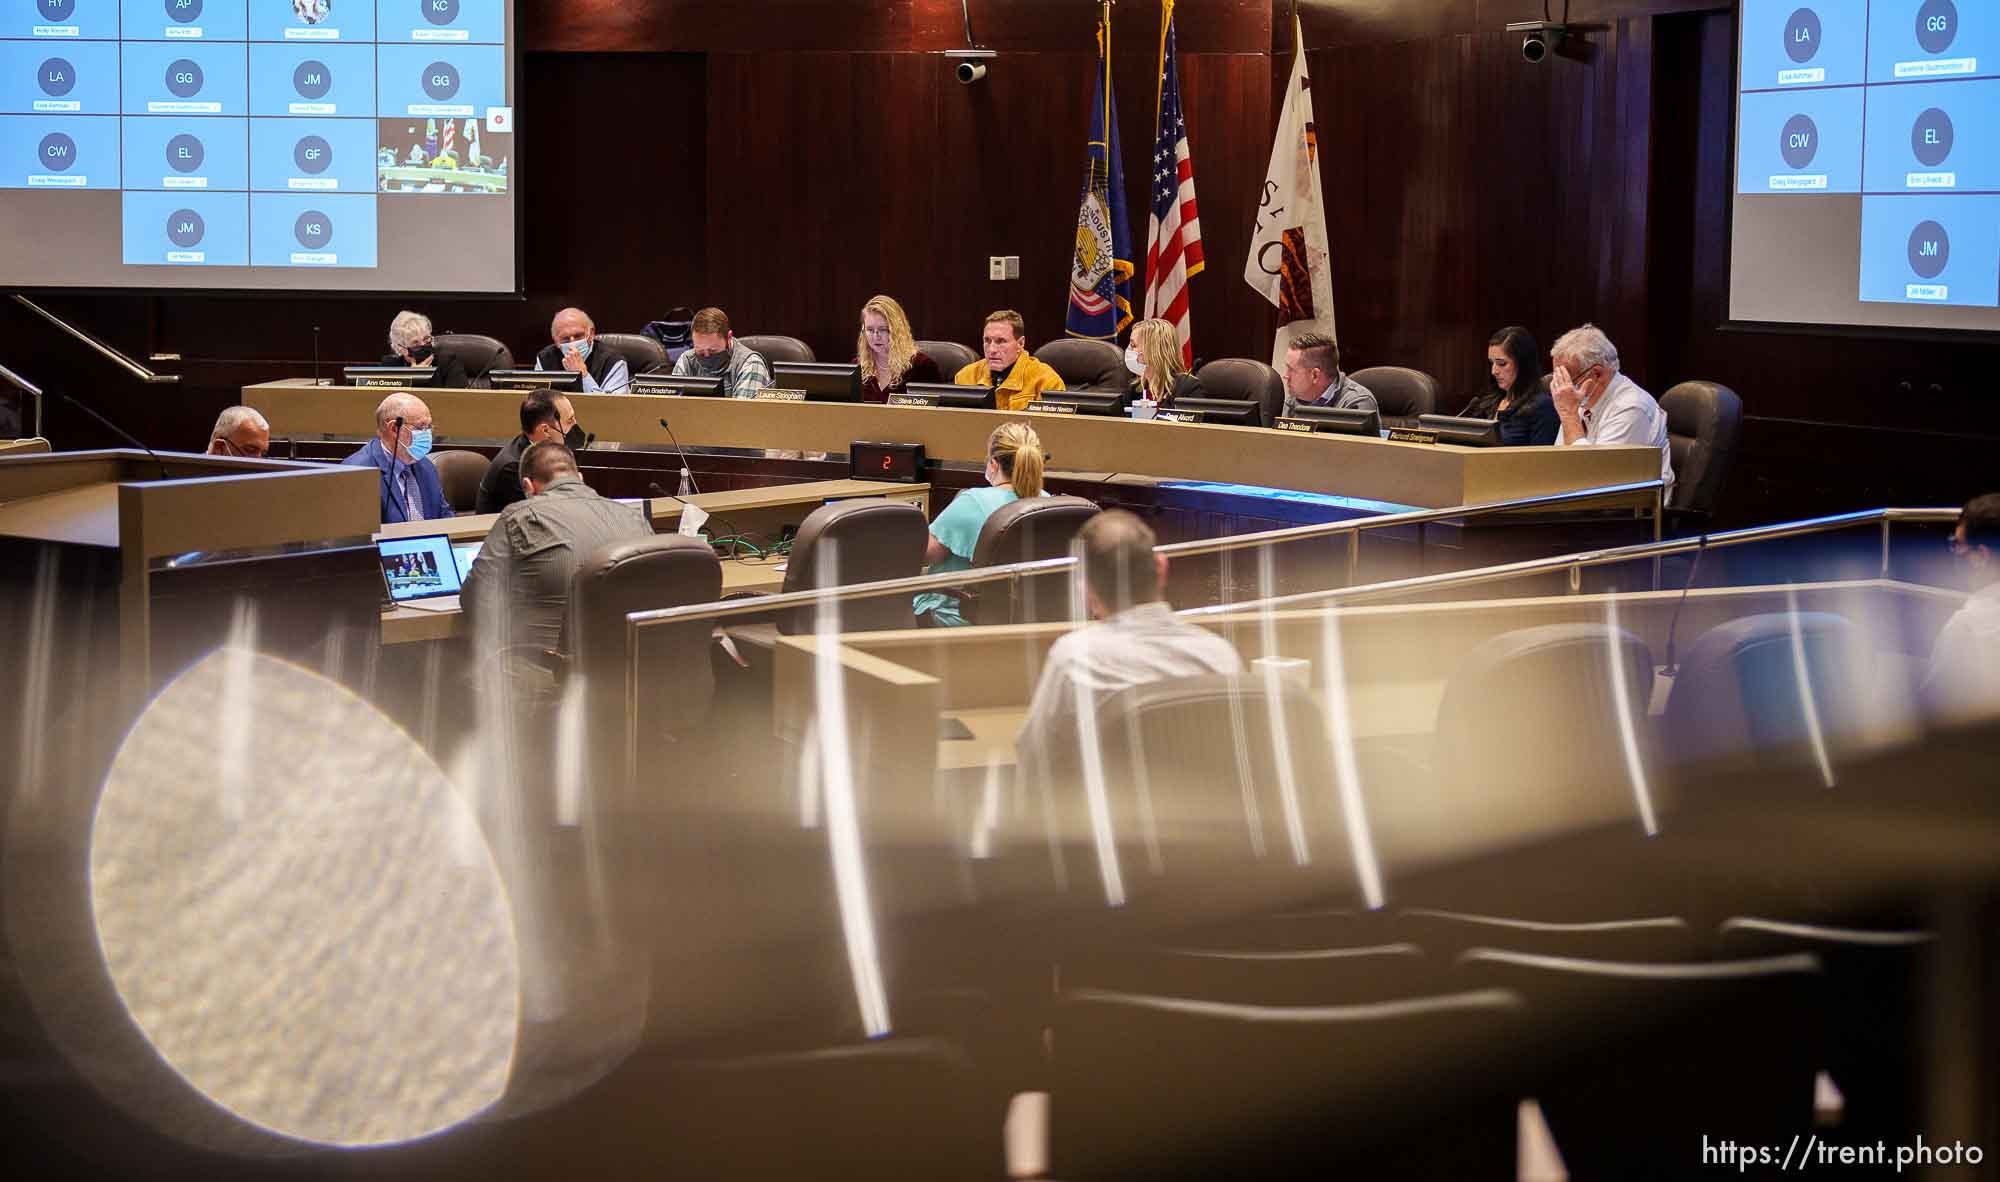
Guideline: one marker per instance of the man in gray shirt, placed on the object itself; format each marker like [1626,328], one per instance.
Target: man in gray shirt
[517,592]
[1313,377]
[1136,640]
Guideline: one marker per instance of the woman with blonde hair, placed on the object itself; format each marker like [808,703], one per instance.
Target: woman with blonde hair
[1154,357]
[888,354]
[1014,461]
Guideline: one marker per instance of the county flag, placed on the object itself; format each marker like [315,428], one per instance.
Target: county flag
[1173,231]
[1288,263]
[1100,273]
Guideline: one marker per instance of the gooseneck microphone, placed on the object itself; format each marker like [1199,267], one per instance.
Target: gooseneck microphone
[315,354]
[1673,668]
[121,433]
[687,474]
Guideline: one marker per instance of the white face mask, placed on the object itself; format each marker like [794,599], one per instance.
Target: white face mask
[1133,361]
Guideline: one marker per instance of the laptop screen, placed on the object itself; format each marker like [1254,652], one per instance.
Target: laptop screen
[464,553]
[418,568]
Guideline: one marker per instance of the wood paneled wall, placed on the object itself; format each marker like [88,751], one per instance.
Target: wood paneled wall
[788,158]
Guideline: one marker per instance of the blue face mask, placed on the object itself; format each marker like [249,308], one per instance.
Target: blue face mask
[420,443]
[580,349]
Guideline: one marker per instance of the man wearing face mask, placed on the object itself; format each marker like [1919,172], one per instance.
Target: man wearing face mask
[718,354]
[399,451]
[411,343]
[546,417]
[1964,675]
[240,431]
[576,350]
[1596,403]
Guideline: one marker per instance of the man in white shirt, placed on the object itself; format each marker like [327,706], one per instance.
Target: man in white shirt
[1964,674]
[1136,640]
[1597,404]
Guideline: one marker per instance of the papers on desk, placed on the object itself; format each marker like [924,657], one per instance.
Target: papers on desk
[692,517]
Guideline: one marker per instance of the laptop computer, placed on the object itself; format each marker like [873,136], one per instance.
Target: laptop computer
[463,553]
[421,572]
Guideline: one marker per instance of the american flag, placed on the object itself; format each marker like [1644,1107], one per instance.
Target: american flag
[1173,232]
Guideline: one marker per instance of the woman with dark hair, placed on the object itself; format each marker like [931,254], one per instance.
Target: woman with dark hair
[1515,394]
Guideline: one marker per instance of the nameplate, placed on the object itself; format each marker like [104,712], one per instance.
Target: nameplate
[1178,416]
[773,394]
[913,400]
[1301,426]
[1412,435]
[1052,408]
[381,382]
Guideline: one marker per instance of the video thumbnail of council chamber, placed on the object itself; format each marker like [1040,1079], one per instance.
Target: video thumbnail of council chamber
[362,145]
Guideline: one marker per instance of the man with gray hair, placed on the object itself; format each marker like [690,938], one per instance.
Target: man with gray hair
[401,451]
[575,349]
[240,431]
[411,343]
[1597,404]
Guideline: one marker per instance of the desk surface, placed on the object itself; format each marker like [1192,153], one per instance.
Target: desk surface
[740,576]
[1429,476]
[1378,710]
[667,510]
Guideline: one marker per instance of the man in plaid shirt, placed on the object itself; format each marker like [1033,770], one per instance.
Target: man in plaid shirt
[717,353]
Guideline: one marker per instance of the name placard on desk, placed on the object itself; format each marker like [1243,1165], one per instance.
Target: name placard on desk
[1298,426]
[1412,435]
[1052,408]
[913,400]
[1178,416]
[773,394]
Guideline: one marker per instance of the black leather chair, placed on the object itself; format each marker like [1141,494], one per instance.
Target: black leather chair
[776,348]
[1245,380]
[1145,1086]
[1638,1062]
[676,685]
[481,355]
[642,353]
[460,472]
[1877,984]
[1704,422]
[869,540]
[1500,767]
[1085,365]
[1738,698]
[1196,775]
[1024,531]
[949,355]
[1401,393]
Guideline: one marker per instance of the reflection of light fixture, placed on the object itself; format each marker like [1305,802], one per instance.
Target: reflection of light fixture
[302,919]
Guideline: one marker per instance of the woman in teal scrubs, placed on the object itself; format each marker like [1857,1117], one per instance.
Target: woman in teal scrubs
[1013,470]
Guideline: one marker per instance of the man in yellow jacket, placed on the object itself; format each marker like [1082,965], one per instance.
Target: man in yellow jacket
[1013,372]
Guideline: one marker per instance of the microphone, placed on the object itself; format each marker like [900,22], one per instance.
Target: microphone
[1673,668]
[687,475]
[316,355]
[121,433]
[291,448]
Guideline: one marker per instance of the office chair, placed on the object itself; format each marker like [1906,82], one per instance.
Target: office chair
[1401,394]
[1704,422]
[1246,380]
[1085,365]
[642,353]
[949,355]
[481,355]
[460,472]
[776,348]
[1023,531]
